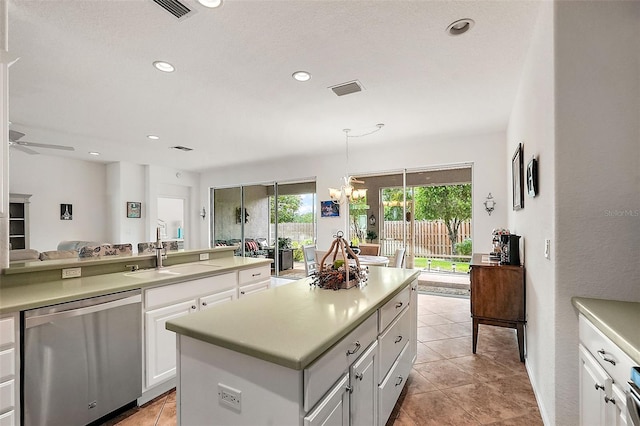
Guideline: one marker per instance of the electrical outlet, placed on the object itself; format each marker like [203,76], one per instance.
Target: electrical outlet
[204,256]
[547,248]
[229,397]
[71,272]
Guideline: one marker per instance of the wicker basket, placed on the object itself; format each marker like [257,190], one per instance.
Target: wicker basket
[344,277]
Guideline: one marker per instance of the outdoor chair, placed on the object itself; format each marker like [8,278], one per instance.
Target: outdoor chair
[310,263]
[399,259]
[369,249]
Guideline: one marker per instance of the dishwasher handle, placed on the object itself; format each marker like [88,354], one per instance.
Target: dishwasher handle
[46,318]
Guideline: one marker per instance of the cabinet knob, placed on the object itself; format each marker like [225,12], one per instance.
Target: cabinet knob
[204,303]
[399,380]
[349,389]
[194,307]
[355,349]
[609,400]
[599,387]
[604,357]
[359,376]
[398,339]
[242,292]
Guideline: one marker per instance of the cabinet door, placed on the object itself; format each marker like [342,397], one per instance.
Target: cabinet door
[214,299]
[615,407]
[364,388]
[593,381]
[246,290]
[413,313]
[161,343]
[333,409]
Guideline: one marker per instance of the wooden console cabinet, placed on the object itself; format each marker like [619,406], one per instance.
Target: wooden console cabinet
[497,297]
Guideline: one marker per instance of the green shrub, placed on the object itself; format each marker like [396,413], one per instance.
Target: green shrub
[464,248]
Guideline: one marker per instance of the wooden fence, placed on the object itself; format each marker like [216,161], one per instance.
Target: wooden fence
[431,238]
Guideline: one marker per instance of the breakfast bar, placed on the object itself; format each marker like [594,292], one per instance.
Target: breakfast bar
[299,354]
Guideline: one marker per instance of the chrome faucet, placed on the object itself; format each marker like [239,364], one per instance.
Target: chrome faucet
[159,250]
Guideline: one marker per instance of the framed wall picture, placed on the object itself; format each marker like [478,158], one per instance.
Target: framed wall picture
[532,177]
[134,209]
[66,212]
[329,209]
[517,180]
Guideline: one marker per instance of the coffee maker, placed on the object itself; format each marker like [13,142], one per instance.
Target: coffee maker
[510,249]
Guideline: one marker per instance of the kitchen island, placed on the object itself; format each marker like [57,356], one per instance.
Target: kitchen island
[298,354]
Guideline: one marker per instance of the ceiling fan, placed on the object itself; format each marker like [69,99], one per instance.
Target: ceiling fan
[24,146]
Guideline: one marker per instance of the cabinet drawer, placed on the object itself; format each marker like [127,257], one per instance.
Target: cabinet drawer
[393,307]
[172,293]
[7,396]
[324,372]
[601,347]
[393,340]
[391,386]
[7,363]
[7,331]
[252,275]
[248,289]
[211,300]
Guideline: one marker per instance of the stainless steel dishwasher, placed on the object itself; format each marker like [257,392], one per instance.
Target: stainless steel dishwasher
[82,360]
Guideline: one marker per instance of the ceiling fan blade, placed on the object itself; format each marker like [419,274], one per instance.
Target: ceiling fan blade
[44,145]
[22,148]
[14,136]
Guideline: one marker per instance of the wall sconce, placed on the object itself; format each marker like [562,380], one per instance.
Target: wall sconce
[489,204]
[203,213]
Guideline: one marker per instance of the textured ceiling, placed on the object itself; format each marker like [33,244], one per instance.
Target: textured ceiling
[85,76]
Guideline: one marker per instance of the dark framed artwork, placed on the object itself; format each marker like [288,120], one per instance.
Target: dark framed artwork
[532,177]
[517,166]
[329,209]
[66,212]
[134,209]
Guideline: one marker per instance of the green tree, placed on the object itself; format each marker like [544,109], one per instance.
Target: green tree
[450,203]
[303,218]
[393,199]
[288,206]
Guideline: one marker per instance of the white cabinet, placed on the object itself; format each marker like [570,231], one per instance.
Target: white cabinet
[253,280]
[173,301]
[9,370]
[161,343]
[364,388]
[604,370]
[334,408]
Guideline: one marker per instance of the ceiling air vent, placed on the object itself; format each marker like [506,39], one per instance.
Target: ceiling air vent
[182,148]
[174,7]
[347,88]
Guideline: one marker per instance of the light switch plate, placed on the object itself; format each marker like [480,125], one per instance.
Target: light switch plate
[204,256]
[71,272]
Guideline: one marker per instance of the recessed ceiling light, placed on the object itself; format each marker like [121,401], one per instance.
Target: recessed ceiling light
[153,137]
[164,66]
[460,26]
[210,3]
[94,153]
[301,75]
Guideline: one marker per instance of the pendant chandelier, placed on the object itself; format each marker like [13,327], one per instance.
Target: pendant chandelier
[347,192]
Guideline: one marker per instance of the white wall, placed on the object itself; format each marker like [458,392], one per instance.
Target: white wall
[486,152]
[53,181]
[532,124]
[578,108]
[126,182]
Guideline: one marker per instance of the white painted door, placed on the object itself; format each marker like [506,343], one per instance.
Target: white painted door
[616,407]
[333,409]
[593,380]
[160,348]
[214,299]
[364,385]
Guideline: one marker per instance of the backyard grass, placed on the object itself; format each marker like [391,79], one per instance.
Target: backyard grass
[444,265]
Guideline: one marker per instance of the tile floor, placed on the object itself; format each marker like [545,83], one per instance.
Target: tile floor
[448,385]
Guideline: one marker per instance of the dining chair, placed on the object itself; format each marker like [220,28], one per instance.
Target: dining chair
[310,262]
[370,249]
[399,260]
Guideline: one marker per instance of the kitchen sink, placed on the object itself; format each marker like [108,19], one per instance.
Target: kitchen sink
[188,268]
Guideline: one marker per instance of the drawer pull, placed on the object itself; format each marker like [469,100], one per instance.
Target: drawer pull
[355,349]
[398,339]
[399,380]
[204,303]
[399,305]
[609,400]
[242,292]
[359,376]
[193,307]
[256,275]
[603,355]
[599,387]
[349,389]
